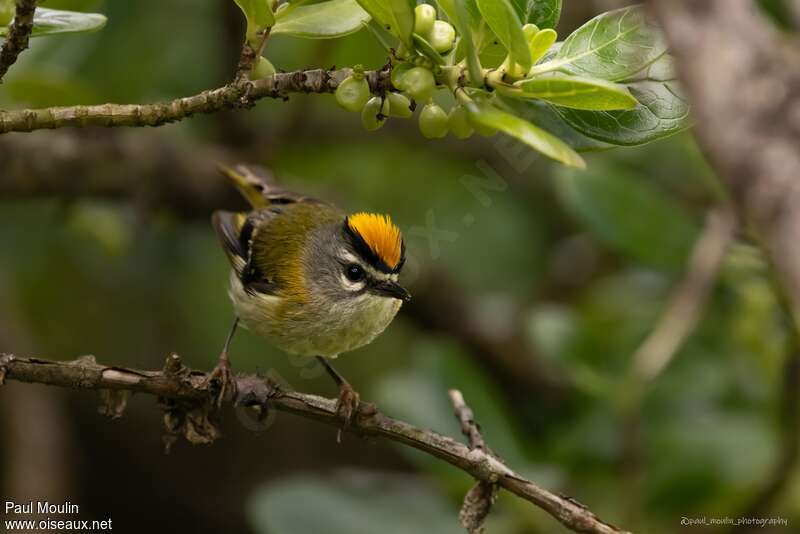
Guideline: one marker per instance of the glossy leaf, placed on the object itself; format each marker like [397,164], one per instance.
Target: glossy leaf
[662,110]
[501,17]
[54,21]
[613,46]
[544,13]
[395,16]
[546,117]
[541,44]
[258,14]
[473,15]
[461,20]
[325,20]
[533,136]
[630,213]
[573,92]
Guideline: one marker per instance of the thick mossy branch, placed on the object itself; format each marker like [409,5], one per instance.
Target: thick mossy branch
[238,94]
[18,34]
[177,386]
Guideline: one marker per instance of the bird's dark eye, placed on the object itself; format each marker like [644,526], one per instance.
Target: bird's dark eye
[354,272]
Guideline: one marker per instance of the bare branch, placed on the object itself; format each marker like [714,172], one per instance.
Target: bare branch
[18,34]
[478,500]
[469,427]
[238,94]
[176,384]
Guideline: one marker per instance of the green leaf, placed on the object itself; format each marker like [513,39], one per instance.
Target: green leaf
[395,16]
[662,110]
[544,13]
[545,116]
[572,92]
[258,14]
[542,43]
[613,46]
[427,49]
[472,18]
[631,214]
[466,43]
[53,21]
[504,22]
[325,20]
[533,136]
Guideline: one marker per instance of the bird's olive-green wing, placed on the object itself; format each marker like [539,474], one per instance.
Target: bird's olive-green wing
[265,246]
[279,240]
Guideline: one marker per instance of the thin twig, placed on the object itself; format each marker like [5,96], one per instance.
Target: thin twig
[238,94]
[470,429]
[18,34]
[176,385]
[480,498]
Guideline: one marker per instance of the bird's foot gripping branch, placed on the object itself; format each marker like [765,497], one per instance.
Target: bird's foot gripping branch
[190,412]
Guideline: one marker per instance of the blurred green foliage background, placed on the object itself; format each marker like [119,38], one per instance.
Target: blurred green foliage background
[557,273]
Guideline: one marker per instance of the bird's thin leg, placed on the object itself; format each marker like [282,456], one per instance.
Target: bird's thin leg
[222,373]
[348,400]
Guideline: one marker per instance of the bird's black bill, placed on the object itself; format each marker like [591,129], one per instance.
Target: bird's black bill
[391,289]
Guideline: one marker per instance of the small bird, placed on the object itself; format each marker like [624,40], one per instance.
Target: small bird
[312,280]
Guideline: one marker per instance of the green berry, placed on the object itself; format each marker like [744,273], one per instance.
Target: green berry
[353,93]
[424,17]
[263,69]
[433,121]
[398,74]
[458,122]
[399,105]
[442,36]
[418,82]
[374,113]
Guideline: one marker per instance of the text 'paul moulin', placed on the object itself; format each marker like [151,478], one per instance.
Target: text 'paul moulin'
[41,507]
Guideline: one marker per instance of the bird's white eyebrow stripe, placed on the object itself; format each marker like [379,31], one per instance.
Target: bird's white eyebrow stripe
[345,255]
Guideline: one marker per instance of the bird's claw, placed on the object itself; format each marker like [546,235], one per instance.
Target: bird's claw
[221,381]
[346,406]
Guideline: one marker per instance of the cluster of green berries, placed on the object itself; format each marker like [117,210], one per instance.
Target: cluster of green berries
[413,76]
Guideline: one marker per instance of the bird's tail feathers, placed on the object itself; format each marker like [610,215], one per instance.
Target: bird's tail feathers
[254,183]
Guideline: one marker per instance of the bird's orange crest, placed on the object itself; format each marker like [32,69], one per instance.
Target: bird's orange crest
[380,234]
